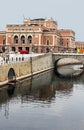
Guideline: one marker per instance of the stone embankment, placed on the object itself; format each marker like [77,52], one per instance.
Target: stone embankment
[24,66]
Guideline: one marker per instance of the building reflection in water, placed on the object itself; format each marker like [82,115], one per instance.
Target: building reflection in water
[43,88]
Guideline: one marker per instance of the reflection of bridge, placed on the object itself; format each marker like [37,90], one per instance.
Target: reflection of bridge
[22,68]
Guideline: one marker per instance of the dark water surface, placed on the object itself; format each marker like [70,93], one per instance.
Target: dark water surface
[44,102]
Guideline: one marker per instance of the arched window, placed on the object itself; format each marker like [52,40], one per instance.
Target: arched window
[48,42]
[4,41]
[15,39]
[30,39]
[22,39]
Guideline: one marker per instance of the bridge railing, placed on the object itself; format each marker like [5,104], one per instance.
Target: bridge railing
[10,59]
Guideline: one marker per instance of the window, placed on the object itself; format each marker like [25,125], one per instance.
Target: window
[4,41]
[48,42]
[29,39]
[22,39]
[67,44]
[15,39]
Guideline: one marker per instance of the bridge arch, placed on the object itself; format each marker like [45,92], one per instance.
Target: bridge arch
[55,66]
[68,66]
[11,75]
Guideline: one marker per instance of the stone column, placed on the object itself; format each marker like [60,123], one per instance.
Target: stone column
[39,39]
[53,40]
[26,40]
[39,46]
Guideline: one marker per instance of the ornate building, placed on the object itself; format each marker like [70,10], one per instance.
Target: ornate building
[38,35]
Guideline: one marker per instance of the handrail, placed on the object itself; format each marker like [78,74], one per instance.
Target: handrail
[9,59]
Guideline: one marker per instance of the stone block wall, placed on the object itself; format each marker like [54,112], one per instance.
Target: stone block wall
[27,68]
[42,63]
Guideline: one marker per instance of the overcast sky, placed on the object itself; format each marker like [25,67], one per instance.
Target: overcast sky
[69,14]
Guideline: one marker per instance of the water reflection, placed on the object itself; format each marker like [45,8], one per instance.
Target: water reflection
[11,89]
[50,93]
[70,70]
[43,87]
[40,88]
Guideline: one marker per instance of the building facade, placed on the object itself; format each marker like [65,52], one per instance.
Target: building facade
[79,46]
[37,35]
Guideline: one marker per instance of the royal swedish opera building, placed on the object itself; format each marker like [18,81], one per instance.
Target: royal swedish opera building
[37,35]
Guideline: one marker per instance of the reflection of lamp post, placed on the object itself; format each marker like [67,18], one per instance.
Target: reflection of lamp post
[31,65]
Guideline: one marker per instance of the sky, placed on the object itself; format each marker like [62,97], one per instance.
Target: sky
[67,13]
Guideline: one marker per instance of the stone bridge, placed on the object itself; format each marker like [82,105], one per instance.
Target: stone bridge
[77,56]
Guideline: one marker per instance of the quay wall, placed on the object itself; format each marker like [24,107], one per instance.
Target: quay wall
[41,63]
[20,69]
[23,69]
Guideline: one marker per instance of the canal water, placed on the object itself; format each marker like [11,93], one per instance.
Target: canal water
[43,102]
